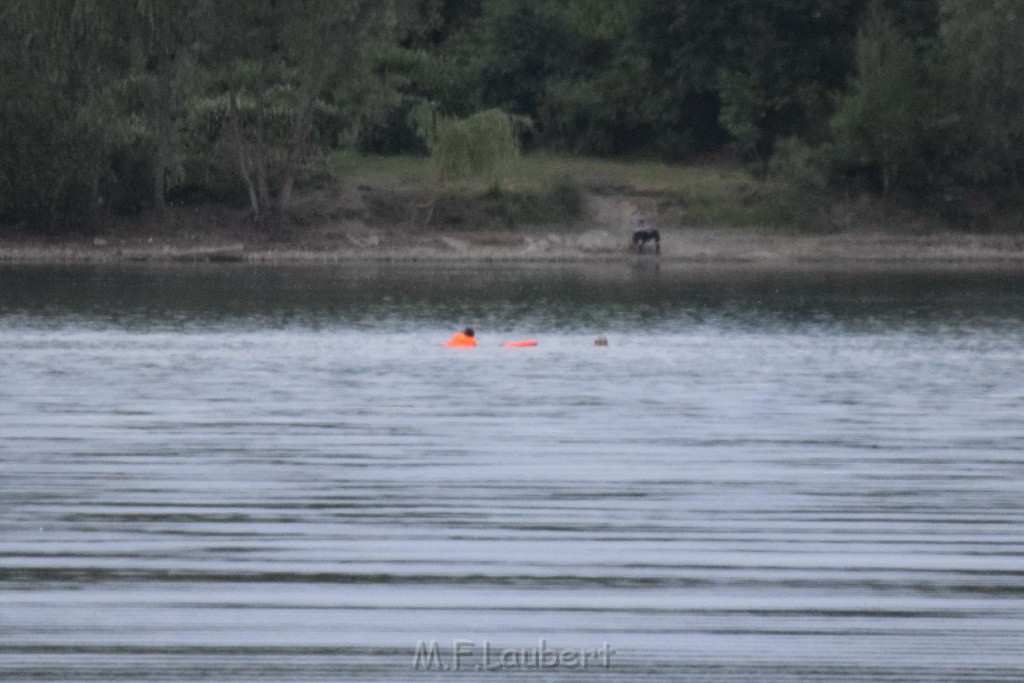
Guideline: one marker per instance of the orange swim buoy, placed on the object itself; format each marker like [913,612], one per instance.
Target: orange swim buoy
[520,344]
[461,340]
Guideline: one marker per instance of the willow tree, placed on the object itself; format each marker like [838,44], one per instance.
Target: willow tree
[279,60]
[482,146]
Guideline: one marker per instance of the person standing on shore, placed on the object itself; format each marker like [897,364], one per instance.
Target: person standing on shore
[463,339]
[643,232]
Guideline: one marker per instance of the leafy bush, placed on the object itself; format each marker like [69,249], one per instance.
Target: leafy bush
[561,202]
[568,197]
[799,163]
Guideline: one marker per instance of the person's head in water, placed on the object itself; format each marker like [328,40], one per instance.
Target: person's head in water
[469,332]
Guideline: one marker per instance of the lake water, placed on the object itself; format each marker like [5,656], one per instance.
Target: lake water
[235,473]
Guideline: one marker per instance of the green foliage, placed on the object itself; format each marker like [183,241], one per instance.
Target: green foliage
[600,115]
[513,49]
[510,208]
[295,64]
[61,72]
[117,104]
[883,123]
[482,146]
[983,41]
[799,163]
[746,107]
[771,86]
[571,68]
[387,124]
[568,195]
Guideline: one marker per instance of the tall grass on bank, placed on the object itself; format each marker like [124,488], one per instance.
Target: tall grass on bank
[543,188]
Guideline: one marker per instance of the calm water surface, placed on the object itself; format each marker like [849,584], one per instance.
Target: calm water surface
[236,473]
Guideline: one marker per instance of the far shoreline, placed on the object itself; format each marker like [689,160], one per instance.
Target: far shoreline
[554,211]
[681,248]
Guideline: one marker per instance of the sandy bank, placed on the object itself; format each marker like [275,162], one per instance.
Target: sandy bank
[339,228]
[679,245]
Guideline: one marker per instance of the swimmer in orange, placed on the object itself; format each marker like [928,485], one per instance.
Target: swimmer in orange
[462,339]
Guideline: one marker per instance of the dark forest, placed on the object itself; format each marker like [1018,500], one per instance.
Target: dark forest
[119,106]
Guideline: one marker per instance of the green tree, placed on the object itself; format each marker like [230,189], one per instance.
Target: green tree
[984,40]
[64,69]
[159,33]
[507,57]
[684,44]
[277,63]
[885,121]
[783,61]
[744,69]
[573,68]
[607,113]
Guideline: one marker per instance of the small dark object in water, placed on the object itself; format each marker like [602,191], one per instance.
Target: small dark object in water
[643,234]
[601,340]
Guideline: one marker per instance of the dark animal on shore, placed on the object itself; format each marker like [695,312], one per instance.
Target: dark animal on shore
[643,234]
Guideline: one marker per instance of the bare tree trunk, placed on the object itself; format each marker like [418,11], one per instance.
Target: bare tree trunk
[243,162]
[303,124]
[164,131]
[159,177]
[95,170]
[320,58]
[261,161]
